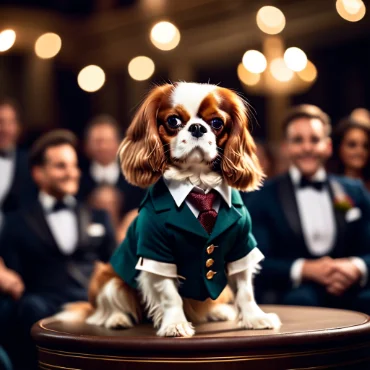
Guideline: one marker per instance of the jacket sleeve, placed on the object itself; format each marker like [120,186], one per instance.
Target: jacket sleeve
[153,242]
[361,248]
[9,244]
[275,269]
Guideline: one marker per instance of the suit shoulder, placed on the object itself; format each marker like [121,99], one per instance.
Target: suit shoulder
[347,181]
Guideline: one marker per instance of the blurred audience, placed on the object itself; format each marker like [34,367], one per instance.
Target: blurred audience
[125,223]
[102,140]
[314,228]
[51,245]
[266,158]
[351,141]
[109,199]
[16,186]
[361,115]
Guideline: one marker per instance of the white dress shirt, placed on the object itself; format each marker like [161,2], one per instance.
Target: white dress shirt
[316,212]
[105,174]
[7,167]
[179,191]
[63,223]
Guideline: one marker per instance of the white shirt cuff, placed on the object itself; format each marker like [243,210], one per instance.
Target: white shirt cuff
[250,260]
[296,272]
[158,268]
[361,265]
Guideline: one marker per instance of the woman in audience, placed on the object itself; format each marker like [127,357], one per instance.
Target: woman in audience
[351,158]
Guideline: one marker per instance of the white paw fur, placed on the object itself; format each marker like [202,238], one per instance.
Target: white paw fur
[222,312]
[260,321]
[182,329]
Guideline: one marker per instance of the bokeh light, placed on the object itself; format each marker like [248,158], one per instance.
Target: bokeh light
[141,68]
[91,78]
[254,61]
[280,71]
[165,36]
[48,45]
[295,59]
[309,74]
[270,20]
[7,39]
[248,78]
[351,10]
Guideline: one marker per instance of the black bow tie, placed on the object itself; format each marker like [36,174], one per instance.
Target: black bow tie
[318,185]
[5,154]
[59,206]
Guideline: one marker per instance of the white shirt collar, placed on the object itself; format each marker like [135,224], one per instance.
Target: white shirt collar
[296,175]
[109,173]
[48,201]
[180,190]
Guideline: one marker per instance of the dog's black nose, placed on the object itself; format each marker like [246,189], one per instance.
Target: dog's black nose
[197,130]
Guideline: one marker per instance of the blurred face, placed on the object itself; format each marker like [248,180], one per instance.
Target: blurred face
[9,127]
[354,149]
[107,199]
[59,176]
[307,145]
[102,143]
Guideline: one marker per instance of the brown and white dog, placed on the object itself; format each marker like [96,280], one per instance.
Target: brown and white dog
[184,132]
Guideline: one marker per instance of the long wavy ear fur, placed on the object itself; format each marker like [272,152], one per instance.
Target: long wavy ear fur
[141,152]
[240,166]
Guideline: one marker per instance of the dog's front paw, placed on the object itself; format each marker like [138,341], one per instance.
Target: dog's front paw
[260,320]
[222,312]
[118,320]
[182,329]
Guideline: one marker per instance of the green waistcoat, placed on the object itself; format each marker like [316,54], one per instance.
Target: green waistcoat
[166,233]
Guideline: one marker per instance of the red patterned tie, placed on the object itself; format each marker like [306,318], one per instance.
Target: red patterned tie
[204,203]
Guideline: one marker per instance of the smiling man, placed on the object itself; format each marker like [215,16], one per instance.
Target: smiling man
[313,228]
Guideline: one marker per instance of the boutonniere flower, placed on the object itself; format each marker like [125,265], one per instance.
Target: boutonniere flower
[344,203]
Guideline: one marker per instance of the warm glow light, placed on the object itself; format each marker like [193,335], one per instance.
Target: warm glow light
[7,39]
[280,71]
[141,68]
[165,36]
[309,74]
[91,78]
[352,6]
[295,59]
[270,20]
[48,45]
[248,78]
[254,61]
[351,10]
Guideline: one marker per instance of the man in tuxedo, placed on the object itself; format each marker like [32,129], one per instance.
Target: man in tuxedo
[53,243]
[312,227]
[102,140]
[16,187]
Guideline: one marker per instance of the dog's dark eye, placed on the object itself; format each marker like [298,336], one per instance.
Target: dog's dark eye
[174,121]
[216,123]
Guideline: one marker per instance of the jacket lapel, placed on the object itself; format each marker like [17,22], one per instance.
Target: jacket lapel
[227,216]
[35,217]
[339,219]
[290,206]
[83,221]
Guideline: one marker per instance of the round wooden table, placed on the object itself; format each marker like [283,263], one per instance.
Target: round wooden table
[310,338]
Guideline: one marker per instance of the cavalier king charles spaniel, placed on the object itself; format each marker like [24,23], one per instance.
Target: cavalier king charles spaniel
[184,136]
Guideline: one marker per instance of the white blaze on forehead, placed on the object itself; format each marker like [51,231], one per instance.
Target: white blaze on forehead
[191,95]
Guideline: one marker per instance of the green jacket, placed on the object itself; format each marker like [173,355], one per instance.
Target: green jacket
[166,233]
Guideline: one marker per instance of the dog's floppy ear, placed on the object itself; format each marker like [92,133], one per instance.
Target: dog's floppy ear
[240,166]
[141,152]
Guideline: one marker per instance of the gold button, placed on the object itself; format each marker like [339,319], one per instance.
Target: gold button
[210,262]
[210,274]
[210,249]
